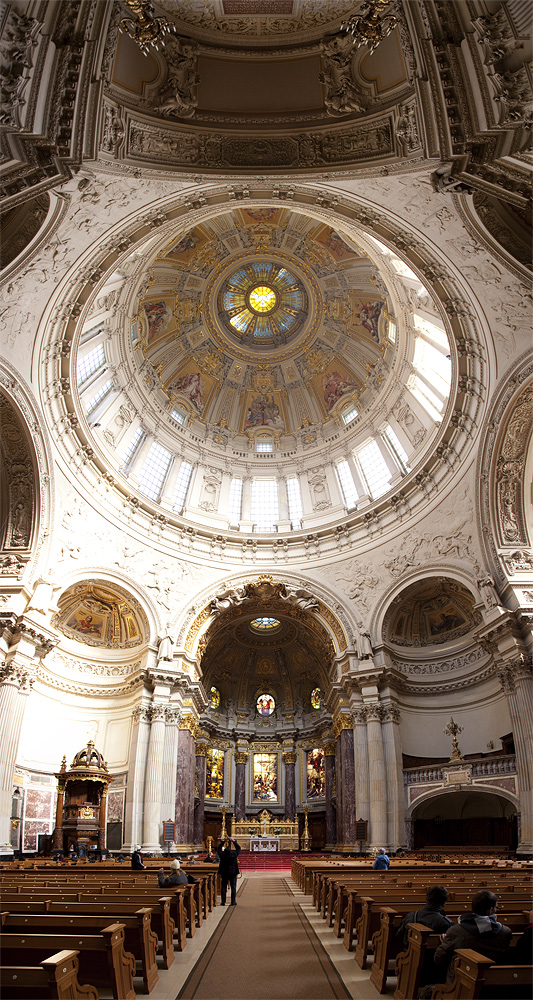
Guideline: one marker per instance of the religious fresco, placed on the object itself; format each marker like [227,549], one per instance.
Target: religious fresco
[330,240]
[430,612]
[158,315]
[364,315]
[265,704]
[265,777]
[264,410]
[192,384]
[316,774]
[185,248]
[214,774]
[333,383]
[266,216]
[99,614]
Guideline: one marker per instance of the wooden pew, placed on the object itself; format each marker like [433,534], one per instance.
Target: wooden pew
[410,963]
[56,978]
[102,957]
[477,977]
[139,939]
[162,922]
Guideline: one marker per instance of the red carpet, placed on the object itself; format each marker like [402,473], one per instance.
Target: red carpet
[261,861]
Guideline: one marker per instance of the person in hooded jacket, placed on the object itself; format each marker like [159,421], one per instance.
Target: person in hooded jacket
[228,868]
[478,930]
[382,862]
[137,859]
[431,915]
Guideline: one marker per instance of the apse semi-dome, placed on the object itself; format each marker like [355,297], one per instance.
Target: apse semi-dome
[251,379]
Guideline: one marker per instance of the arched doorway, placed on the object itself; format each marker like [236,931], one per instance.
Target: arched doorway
[466,819]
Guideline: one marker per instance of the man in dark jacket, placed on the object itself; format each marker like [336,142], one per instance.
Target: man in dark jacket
[137,859]
[431,915]
[478,930]
[382,862]
[228,868]
[176,877]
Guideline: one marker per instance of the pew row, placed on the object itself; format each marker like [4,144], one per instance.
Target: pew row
[56,978]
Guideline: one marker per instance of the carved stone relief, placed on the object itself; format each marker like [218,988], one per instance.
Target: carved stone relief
[18,481]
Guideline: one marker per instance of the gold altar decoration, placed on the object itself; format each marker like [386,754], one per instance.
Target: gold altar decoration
[305,844]
[266,824]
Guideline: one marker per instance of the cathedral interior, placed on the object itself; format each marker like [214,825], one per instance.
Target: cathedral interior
[265,387]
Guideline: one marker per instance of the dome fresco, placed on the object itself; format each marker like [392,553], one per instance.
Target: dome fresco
[265,332]
[431,612]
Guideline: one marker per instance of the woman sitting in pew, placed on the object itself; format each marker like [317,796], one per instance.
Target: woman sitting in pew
[176,877]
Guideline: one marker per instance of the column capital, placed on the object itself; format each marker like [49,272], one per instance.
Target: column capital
[18,675]
[241,757]
[141,713]
[390,713]
[360,716]
[289,757]
[172,715]
[512,671]
[343,721]
[329,749]
[374,713]
[157,713]
[189,722]
[201,749]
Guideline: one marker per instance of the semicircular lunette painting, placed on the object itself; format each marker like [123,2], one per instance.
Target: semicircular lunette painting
[99,614]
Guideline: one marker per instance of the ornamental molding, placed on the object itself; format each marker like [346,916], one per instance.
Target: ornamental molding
[63,661]
[84,690]
[429,667]
[475,679]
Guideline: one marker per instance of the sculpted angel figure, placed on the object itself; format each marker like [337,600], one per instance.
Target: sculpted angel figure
[228,599]
[42,599]
[300,598]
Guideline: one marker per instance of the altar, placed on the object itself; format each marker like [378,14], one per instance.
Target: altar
[263,843]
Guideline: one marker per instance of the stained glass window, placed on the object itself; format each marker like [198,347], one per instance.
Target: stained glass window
[214,698]
[316,698]
[316,774]
[263,624]
[265,704]
[214,774]
[265,777]
[263,300]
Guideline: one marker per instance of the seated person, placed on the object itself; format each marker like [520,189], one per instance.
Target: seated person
[137,859]
[478,930]
[176,877]
[192,860]
[382,862]
[431,915]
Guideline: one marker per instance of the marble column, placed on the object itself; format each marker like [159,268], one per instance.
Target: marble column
[102,820]
[133,812]
[241,760]
[331,823]
[289,759]
[392,753]
[57,836]
[377,776]
[362,777]
[517,684]
[170,752]
[151,841]
[16,680]
[185,774]
[346,779]
[199,806]
[339,791]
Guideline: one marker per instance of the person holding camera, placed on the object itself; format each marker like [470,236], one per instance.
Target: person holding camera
[228,868]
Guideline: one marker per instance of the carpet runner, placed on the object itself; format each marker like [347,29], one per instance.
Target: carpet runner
[260,861]
[264,949]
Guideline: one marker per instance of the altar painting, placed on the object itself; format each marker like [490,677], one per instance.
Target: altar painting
[214,774]
[265,777]
[316,774]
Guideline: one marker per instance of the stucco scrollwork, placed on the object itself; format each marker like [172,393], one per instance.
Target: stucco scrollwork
[342,96]
[510,470]
[178,99]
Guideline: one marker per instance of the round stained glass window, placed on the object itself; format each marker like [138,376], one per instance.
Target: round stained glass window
[265,704]
[316,698]
[214,698]
[263,624]
[262,299]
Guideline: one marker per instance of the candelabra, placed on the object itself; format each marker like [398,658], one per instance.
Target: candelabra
[372,23]
[149,28]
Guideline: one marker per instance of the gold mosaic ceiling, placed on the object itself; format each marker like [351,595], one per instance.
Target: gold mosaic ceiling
[263,318]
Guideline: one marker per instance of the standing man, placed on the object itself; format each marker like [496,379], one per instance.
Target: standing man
[228,868]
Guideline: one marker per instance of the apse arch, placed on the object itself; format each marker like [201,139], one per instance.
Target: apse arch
[417,577]
[127,590]
[432,796]
[485,816]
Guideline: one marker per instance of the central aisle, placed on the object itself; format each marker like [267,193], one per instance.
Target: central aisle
[264,949]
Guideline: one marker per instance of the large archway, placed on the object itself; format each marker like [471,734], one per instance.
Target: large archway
[470,819]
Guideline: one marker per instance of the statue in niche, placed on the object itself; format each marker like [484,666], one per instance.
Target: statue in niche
[166,646]
[488,592]
[20,531]
[364,644]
